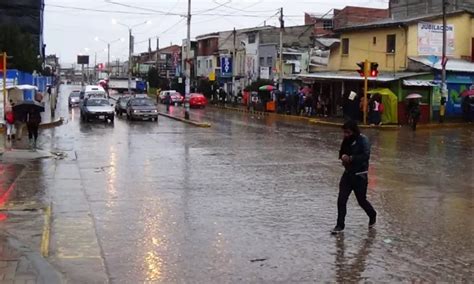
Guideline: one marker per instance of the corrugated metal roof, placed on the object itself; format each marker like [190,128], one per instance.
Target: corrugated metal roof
[389,22]
[455,65]
[419,83]
[327,42]
[348,75]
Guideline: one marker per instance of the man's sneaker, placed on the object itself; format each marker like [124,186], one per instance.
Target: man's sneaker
[372,222]
[337,230]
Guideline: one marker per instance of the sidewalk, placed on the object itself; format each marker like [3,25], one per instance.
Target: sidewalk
[338,122]
[18,264]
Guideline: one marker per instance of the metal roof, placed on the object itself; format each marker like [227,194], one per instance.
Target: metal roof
[352,75]
[327,42]
[455,65]
[389,22]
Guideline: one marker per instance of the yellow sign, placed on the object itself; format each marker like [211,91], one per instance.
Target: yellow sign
[212,76]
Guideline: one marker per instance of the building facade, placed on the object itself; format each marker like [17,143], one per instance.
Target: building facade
[400,9]
[28,15]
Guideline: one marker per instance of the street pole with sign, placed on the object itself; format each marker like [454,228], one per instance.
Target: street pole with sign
[188,65]
[4,71]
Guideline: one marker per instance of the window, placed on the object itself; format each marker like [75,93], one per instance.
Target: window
[391,43]
[262,61]
[345,46]
[327,24]
[207,64]
[199,64]
[269,61]
[252,38]
[210,63]
[374,41]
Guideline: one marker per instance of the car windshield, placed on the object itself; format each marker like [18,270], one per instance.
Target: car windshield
[75,94]
[97,102]
[142,102]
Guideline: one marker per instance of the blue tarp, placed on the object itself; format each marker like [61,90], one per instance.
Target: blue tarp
[24,78]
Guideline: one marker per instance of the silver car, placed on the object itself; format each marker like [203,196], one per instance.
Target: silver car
[96,108]
[74,98]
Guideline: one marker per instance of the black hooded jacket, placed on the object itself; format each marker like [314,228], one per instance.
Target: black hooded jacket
[358,148]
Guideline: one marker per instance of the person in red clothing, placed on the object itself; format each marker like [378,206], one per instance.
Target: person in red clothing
[10,121]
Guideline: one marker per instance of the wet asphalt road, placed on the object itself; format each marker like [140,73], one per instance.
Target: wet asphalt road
[252,200]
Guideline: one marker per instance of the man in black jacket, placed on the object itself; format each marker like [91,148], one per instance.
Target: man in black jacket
[355,156]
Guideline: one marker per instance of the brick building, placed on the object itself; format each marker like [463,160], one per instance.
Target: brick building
[324,25]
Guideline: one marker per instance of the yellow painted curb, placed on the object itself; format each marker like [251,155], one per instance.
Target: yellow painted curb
[338,124]
[46,232]
[194,123]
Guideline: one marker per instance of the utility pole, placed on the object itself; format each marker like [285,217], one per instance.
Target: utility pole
[130,47]
[188,65]
[95,66]
[282,27]
[157,55]
[108,59]
[366,86]
[444,60]
[234,63]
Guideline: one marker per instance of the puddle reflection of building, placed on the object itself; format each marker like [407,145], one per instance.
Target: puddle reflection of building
[350,269]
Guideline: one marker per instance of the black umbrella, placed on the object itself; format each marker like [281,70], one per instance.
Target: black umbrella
[22,108]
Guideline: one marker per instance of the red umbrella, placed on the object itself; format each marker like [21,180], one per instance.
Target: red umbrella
[467,93]
[306,90]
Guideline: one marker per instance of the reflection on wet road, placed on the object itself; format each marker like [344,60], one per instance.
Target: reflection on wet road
[253,199]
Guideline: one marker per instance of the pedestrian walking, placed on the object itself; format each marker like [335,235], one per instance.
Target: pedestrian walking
[355,156]
[414,113]
[466,108]
[10,121]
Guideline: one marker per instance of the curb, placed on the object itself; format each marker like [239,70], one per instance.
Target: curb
[45,125]
[52,124]
[262,113]
[339,125]
[194,123]
[46,272]
[444,125]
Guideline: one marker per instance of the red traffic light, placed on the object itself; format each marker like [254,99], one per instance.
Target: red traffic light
[361,69]
[100,66]
[374,72]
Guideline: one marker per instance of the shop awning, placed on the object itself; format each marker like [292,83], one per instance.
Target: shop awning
[419,83]
[353,75]
[453,65]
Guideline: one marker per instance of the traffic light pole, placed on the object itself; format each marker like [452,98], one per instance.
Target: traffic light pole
[366,86]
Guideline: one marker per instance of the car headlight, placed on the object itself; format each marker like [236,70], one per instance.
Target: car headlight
[135,111]
[155,111]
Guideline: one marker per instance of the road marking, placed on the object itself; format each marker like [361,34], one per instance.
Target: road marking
[46,232]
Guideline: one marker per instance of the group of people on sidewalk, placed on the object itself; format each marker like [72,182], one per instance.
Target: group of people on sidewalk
[15,121]
[303,102]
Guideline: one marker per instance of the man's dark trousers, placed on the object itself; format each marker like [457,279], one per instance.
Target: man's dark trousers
[357,183]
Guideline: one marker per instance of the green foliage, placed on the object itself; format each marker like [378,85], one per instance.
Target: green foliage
[257,84]
[456,96]
[156,81]
[207,87]
[20,46]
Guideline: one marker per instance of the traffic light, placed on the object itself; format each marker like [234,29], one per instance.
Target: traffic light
[361,70]
[374,69]
[100,66]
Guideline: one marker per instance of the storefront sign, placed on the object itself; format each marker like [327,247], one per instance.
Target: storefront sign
[265,73]
[430,39]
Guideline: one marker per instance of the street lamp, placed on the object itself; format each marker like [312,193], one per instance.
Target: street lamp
[130,47]
[108,49]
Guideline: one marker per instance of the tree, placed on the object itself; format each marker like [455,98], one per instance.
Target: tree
[20,46]
[156,81]
[207,87]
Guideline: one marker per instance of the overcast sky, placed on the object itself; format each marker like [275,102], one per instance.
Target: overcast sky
[72,25]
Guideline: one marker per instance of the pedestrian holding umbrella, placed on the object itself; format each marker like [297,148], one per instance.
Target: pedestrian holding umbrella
[30,111]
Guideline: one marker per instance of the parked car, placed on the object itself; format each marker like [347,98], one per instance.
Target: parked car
[141,108]
[96,108]
[175,97]
[121,105]
[74,98]
[197,100]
